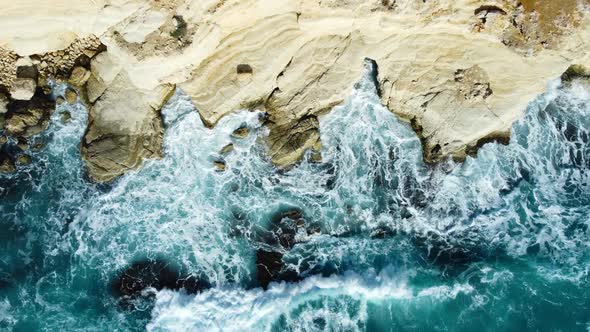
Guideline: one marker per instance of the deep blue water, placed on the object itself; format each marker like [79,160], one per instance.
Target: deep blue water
[499,242]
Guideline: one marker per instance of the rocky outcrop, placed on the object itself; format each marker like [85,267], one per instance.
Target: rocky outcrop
[461,72]
[574,72]
[29,117]
[288,142]
[124,127]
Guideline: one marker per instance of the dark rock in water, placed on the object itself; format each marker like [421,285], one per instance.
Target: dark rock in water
[7,165]
[157,274]
[270,267]
[29,117]
[287,228]
[449,252]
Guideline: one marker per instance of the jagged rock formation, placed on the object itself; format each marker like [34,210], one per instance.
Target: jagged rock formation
[124,128]
[460,71]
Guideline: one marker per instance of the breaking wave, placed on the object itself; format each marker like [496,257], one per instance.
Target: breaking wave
[499,241]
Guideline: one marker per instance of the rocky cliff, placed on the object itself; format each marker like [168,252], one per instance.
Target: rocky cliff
[460,71]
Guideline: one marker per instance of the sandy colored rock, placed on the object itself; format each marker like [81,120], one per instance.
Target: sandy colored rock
[227,149]
[79,76]
[30,117]
[124,128]
[219,165]
[3,103]
[241,132]
[460,71]
[6,165]
[23,88]
[71,96]
[24,159]
[288,142]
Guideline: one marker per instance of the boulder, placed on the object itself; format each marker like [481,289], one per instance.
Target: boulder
[124,128]
[24,159]
[71,96]
[23,88]
[79,76]
[28,118]
[6,165]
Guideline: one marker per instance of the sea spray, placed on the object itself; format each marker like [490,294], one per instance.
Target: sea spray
[500,241]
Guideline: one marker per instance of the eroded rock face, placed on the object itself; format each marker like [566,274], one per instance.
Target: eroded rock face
[576,72]
[124,128]
[460,71]
[26,118]
[288,142]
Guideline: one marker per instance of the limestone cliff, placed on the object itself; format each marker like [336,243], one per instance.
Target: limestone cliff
[461,71]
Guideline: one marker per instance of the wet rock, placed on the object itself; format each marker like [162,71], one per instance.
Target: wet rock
[22,143]
[226,149]
[241,132]
[286,226]
[66,117]
[288,142]
[286,229]
[219,165]
[6,165]
[270,267]
[71,96]
[28,118]
[24,159]
[157,274]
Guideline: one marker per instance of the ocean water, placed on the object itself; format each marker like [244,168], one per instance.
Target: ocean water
[499,242]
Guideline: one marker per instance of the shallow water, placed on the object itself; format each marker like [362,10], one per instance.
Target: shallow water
[499,242]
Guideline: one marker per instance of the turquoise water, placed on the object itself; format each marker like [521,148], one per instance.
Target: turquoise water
[500,242]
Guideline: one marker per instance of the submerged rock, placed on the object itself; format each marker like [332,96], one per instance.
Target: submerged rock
[24,159]
[286,229]
[158,274]
[451,252]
